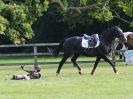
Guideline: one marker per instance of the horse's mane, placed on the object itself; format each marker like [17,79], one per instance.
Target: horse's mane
[110,33]
[109,30]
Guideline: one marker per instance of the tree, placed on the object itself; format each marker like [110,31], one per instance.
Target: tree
[17,17]
[80,11]
[127,7]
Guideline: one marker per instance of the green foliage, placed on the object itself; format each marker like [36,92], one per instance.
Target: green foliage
[131,24]
[100,10]
[16,18]
[65,3]
[101,14]
[34,9]
[83,2]
[127,7]
[3,25]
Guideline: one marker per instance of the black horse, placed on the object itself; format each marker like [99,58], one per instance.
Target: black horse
[72,47]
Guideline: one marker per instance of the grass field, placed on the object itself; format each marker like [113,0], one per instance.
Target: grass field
[69,85]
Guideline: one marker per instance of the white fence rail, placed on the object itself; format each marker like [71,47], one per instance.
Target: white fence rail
[35,54]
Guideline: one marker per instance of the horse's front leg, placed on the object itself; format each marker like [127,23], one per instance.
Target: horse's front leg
[95,65]
[113,65]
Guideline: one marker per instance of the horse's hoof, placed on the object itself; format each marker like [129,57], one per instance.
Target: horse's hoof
[80,73]
[57,74]
[117,73]
[92,73]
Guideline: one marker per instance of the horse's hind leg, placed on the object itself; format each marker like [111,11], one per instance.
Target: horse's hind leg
[73,59]
[61,64]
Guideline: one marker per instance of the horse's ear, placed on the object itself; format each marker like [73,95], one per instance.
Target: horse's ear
[119,26]
[116,26]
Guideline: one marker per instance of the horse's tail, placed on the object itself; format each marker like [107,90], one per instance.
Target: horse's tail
[55,52]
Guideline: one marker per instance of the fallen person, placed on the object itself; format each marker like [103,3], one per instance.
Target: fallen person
[32,74]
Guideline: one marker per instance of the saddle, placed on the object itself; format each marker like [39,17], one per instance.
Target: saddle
[90,41]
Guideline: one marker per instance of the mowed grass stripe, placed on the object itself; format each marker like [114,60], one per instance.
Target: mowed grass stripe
[104,84]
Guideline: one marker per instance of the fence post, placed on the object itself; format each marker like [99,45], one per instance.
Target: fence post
[113,52]
[35,55]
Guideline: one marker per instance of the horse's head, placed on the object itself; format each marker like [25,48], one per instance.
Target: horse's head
[118,33]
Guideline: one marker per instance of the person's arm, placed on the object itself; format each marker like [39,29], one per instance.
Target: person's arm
[28,71]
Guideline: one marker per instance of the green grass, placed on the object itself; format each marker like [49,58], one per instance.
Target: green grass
[104,84]
[41,59]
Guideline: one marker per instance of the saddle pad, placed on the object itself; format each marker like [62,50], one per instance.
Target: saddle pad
[84,43]
[87,44]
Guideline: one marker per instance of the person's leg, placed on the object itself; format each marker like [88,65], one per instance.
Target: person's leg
[18,77]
